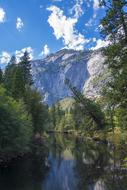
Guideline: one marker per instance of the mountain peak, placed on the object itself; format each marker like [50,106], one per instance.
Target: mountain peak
[50,73]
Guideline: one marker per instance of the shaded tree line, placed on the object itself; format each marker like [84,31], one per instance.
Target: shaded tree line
[22,113]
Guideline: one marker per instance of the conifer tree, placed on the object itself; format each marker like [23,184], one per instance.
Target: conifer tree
[1,76]
[114,27]
[114,24]
[26,69]
[9,74]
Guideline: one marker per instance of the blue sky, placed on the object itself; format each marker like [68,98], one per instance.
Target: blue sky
[46,26]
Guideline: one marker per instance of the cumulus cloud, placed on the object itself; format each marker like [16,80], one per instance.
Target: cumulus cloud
[96,4]
[2,15]
[64,28]
[20,53]
[19,24]
[77,9]
[100,43]
[45,51]
[4,57]
[92,20]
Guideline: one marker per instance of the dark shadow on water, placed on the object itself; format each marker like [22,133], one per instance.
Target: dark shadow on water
[67,163]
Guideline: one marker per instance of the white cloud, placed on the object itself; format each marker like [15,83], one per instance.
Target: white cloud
[4,57]
[94,39]
[100,43]
[20,53]
[96,4]
[88,3]
[19,24]
[45,51]
[64,28]
[77,9]
[89,23]
[2,15]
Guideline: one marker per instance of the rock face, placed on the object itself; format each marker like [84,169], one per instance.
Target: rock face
[80,67]
[98,75]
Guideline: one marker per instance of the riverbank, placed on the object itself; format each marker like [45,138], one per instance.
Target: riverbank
[116,137]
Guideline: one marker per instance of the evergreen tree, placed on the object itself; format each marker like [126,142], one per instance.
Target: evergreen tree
[25,64]
[88,107]
[9,75]
[18,85]
[1,76]
[114,23]
[15,127]
[37,110]
[53,115]
[114,27]
[17,77]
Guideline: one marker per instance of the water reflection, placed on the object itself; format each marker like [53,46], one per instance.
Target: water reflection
[26,173]
[68,163]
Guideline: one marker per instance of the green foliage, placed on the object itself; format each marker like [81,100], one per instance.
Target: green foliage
[22,113]
[1,76]
[18,86]
[89,108]
[26,69]
[9,75]
[114,27]
[82,121]
[37,110]
[114,22]
[15,127]
[56,116]
[18,77]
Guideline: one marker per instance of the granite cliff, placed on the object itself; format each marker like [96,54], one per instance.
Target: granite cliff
[85,69]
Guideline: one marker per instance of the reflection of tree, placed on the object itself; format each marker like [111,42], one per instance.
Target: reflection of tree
[116,174]
[99,168]
[76,163]
[58,143]
[26,173]
[91,159]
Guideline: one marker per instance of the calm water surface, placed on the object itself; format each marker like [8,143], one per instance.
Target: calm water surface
[67,163]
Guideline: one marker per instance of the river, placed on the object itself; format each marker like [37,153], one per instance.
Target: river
[68,163]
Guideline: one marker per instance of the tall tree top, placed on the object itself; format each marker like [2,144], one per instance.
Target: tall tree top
[114,24]
[12,60]
[1,76]
[25,57]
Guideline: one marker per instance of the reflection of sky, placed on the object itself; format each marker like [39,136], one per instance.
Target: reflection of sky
[99,185]
[61,175]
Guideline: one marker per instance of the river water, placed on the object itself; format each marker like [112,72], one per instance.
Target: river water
[68,163]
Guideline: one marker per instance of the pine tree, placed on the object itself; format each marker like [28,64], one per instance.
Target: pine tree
[9,74]
[37,110]
[18,85]
[114,27]
[1,76]
[88,107]
[25,64]
[115,22]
